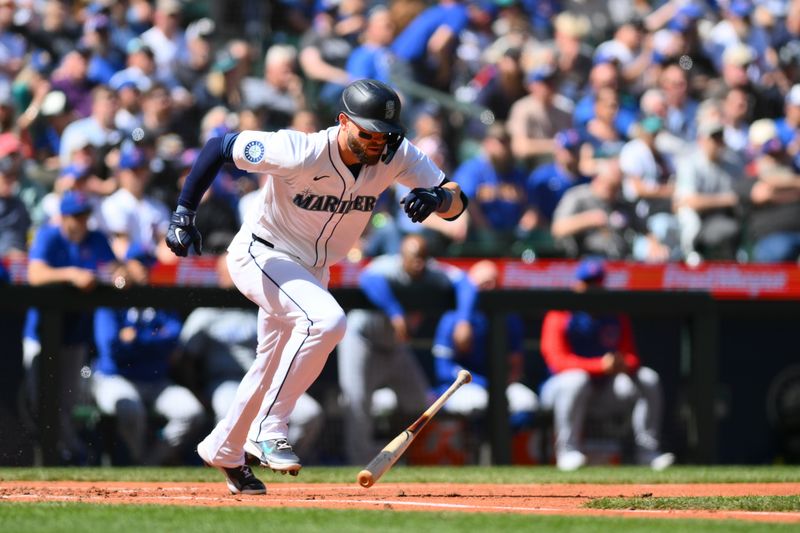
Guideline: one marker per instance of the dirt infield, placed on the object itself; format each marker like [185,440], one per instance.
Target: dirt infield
[527,499]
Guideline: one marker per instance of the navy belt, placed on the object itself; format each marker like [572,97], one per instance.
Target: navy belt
[262,241]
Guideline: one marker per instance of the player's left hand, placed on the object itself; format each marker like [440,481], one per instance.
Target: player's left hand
[420,202]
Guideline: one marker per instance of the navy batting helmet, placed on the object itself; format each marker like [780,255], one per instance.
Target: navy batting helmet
[373,106]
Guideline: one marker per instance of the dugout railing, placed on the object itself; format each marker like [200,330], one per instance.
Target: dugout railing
[697,312]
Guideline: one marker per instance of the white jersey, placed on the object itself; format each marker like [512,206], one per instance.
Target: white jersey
[311,206]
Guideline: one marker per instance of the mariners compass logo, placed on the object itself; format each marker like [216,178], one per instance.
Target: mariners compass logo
[390,109]
[254,151]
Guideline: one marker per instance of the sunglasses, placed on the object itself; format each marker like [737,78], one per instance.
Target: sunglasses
[372,136]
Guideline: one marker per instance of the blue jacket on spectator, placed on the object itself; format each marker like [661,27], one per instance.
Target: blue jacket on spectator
[369,61]
[53,248]
[377,279]
[502,213]
[146,356]
[412,44]
[584,112]
[448,362]
[547,184]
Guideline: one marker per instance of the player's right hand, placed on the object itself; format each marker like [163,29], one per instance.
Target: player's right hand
[182,233]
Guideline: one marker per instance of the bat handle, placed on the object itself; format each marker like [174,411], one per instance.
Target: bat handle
[392,451]
[365,479]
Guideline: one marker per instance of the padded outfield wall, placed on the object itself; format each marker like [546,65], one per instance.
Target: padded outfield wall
[727,355]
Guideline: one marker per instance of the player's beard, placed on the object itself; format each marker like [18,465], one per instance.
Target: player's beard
[360,152]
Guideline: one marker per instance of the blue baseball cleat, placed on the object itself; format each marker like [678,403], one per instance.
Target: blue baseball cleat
[275,454]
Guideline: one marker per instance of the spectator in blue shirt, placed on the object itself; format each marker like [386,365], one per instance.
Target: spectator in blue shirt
[427,45]
[604,134]
[495,187]
[131,375]
[372,59]
[605,74]
[105,59]
[681,116]
[67,253]
[548,183]
[453,351]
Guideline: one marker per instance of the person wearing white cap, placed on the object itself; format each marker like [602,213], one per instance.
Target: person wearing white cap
[704,194]
[772,200]
[649,183]
[739,69]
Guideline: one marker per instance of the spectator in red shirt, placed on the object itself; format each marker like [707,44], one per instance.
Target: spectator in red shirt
[595,369]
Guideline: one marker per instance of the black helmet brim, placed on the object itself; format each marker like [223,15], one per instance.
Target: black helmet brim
[375,125]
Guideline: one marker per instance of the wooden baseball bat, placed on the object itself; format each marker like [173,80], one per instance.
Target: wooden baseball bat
[392,451]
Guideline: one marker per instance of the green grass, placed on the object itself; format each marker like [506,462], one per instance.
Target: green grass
[708,503]
[85,518]
[403,474]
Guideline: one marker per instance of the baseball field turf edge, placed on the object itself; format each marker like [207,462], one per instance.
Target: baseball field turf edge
[87,518]
[449,474]
[707,503]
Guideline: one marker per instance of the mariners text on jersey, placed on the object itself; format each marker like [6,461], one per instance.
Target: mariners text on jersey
[316,202]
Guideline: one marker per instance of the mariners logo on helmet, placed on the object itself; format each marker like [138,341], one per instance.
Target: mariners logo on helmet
[373,106]
[254,151]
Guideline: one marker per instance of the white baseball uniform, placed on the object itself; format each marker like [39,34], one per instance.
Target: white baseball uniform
[311,212]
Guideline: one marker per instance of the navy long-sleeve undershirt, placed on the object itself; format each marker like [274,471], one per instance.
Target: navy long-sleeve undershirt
[216,152]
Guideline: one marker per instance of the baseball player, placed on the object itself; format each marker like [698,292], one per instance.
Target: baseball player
[321,191]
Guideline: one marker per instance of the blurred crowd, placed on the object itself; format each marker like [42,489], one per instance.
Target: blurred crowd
[649,131]
[630,130]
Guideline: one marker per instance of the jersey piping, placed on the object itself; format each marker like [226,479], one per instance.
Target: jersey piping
[334,229]
[322,231]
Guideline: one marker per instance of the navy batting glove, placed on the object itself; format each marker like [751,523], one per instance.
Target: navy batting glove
[419,203]
[182,233]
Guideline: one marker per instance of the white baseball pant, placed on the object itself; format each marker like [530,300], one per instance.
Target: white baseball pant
[299,325]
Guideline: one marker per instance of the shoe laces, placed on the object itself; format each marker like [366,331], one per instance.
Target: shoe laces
[282,444]
[247,473]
